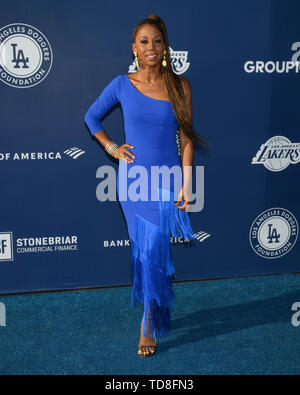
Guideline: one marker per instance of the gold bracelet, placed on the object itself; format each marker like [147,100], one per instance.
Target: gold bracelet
[111,147]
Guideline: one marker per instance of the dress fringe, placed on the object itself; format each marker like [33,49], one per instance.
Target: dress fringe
[152,264]
[174,222]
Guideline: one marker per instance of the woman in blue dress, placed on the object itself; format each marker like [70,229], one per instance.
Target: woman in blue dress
[156,103]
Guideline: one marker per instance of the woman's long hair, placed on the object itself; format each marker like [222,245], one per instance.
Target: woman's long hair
[173,83]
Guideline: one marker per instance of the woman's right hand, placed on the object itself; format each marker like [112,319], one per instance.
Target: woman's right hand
[123,153]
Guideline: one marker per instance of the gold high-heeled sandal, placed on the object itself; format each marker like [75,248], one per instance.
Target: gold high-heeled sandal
[148,353]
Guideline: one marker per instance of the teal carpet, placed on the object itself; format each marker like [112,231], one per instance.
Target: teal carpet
[232,326]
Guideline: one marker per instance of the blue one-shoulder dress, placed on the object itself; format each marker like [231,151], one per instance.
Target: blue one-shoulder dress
[151,127]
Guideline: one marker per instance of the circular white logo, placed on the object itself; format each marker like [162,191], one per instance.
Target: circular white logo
[25,55]
[273,233]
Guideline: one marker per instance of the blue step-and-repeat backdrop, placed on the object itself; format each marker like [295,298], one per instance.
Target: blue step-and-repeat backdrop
[56,57]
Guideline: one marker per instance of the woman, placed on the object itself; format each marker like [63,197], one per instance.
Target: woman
[155,103]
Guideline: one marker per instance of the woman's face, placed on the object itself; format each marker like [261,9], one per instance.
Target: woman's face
[149,41]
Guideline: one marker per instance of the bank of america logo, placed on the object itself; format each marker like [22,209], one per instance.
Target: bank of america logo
[201,236]
[74,152]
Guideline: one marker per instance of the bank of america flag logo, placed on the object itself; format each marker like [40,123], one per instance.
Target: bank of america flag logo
[74,152]
[201,236]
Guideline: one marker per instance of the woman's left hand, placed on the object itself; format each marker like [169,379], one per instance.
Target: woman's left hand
[182,197]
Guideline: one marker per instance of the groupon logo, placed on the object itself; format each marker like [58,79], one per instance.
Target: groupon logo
[25,55]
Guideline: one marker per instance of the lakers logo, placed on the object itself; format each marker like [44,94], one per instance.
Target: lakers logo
[277,153]
[273,233]
[179,61]
[25,55]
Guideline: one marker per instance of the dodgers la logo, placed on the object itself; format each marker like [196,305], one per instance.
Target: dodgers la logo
[273,233]
[25,55]
[277,153]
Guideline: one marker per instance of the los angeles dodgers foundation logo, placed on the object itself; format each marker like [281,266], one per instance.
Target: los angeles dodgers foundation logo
[273,233]
[25,55]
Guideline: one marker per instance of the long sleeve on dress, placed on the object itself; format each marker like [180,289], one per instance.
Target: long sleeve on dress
[105,101]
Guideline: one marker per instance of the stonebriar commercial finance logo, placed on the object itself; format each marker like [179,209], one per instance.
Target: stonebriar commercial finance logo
[6,246]
[35,244]
[277,153]
[273,233]
[25,55]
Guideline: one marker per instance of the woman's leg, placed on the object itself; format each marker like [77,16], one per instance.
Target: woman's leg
[146,335]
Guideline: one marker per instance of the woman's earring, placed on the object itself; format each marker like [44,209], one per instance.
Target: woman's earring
[136,61]
[164,62]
